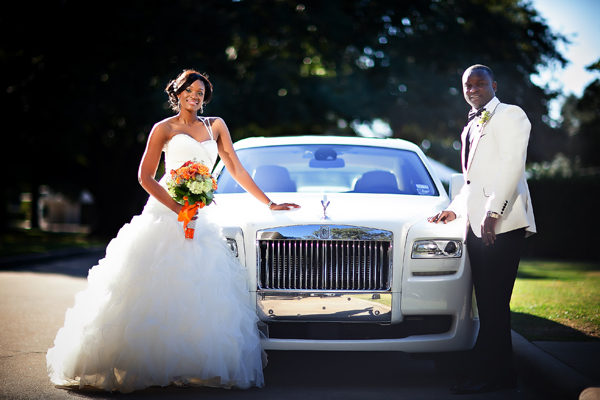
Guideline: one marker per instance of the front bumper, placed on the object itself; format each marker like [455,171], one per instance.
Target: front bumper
[427,302]
[310,306]
[433,314]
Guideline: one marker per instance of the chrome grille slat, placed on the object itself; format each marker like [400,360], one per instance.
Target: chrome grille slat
[365,265]
[337,267]
[347,266]
[289,269]
[300,263]
[267,276]
[380,252]
[294,264]
[312,270]
[354,283]
[327,259]
[374,268]
[278,265]
[370,271]
[295,261]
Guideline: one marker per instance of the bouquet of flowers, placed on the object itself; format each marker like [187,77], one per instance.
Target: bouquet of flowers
[194,187]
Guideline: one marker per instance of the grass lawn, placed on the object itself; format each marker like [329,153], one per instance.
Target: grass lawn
[29,241]
[557,300]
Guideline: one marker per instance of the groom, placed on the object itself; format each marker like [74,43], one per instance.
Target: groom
[496,203]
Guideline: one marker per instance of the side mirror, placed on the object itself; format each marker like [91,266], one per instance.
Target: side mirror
[456,183]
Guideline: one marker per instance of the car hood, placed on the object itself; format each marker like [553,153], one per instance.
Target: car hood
[381,211]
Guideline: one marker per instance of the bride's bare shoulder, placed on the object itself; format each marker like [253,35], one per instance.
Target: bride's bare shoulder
[213,120]
[163,128]
[166,123]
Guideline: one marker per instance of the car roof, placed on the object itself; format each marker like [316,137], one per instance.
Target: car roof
[334,140]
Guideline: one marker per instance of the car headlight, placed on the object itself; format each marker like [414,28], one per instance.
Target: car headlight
[437,249]
[233,246]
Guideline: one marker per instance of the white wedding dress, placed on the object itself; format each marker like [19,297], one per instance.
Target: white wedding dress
[160,308]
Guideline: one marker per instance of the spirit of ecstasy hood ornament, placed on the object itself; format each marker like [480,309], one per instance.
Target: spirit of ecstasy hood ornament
[325,204]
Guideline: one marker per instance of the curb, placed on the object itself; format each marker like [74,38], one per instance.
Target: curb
[548,374]
[51,255]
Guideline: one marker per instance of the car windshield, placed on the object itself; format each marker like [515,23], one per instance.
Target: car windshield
[314,168]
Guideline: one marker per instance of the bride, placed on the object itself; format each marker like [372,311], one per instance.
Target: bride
[160,308]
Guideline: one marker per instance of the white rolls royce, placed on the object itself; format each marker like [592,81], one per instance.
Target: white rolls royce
[358,267]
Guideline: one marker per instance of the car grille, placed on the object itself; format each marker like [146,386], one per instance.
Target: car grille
[348,265]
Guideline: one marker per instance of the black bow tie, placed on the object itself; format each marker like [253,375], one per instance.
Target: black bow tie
[474,114]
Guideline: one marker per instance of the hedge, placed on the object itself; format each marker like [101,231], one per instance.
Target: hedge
[567,215]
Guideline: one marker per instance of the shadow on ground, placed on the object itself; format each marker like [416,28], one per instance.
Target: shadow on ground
[76,265]
[536,328]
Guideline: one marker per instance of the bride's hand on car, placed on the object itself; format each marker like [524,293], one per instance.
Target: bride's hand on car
[283,206]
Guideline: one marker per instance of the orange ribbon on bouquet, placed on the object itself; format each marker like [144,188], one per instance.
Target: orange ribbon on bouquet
[186,214]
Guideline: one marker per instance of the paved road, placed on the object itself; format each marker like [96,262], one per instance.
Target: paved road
[33,301]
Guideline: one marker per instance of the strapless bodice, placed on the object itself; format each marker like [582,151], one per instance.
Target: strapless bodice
[182,148]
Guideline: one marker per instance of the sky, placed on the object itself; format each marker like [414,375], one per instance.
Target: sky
[578,21]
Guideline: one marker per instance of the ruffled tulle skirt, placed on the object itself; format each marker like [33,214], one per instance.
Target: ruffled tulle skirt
[159,309]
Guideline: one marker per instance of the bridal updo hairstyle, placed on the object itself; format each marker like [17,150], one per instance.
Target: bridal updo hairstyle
[183,80]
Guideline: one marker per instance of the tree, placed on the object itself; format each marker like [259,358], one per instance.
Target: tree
[400,61]
[581,119]
[83,91]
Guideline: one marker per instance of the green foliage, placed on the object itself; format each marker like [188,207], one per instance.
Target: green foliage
[581,119]
[559,167]
[193,198]
[594,66]
[83,89]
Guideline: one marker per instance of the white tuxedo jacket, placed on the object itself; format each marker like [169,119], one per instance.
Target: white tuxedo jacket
[495,174]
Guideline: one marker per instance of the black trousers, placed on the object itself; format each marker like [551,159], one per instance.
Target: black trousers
[494,270]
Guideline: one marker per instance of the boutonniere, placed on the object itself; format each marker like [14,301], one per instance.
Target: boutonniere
[485,117]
